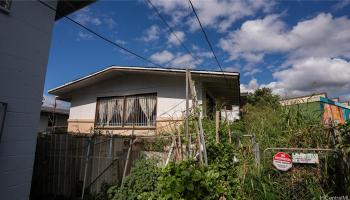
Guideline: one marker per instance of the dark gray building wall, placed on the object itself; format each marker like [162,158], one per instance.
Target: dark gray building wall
[25,39]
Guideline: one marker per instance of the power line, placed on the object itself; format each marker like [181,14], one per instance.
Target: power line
[207,39]
[170,29]
[101,36]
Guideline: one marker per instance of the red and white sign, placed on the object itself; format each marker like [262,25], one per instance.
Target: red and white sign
[282,161]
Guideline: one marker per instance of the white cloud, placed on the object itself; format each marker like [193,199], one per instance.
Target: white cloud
[179,60]
[205,54]
[221,14]
[151,34]
[173,40]
[252,72]
[86,17]
[311,75]
[231,69]
[169,6]
[253,57]
[317,52]
[340,5]
[250,69]
[84,36]
[110,22]
[162,57]
[200,52]
[251,87]
[321,36]
[176,9]
[89,18]
[185,61]
[120,42]
[218,14]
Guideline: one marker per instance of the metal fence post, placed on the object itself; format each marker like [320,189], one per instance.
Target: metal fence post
[257,153]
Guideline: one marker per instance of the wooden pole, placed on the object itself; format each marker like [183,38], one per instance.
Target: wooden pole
[111,154]
[180,144]
[200,147]
[127,158]
[170,151]
[187,113]
[86,167]
[203,141]
[257,153]
[217,124]
[200,126]
[229,131]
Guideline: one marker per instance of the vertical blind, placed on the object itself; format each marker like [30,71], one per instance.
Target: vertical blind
[137,110]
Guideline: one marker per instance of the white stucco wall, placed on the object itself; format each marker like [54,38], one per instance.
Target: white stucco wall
[25,39]
[171,95]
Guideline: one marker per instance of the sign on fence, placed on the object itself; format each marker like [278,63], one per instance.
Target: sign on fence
[282,161]
[307,158]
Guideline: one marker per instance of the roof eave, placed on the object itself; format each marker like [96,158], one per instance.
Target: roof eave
[172,70]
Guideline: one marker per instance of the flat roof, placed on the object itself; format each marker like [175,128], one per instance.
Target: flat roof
[143,69]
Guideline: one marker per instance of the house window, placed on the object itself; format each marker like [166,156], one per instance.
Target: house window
[5,5]
[136,110]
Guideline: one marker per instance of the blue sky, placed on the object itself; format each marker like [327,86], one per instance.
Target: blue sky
[293,47]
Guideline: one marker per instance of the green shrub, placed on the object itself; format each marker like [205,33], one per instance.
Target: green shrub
[186,180]
[142,179]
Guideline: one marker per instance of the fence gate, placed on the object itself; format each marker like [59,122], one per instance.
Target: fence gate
[63,160]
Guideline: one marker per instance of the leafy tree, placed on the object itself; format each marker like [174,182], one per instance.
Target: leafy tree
[263,97]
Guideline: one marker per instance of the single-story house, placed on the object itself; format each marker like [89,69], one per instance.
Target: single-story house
[148,100]
[329,109]
[53,119]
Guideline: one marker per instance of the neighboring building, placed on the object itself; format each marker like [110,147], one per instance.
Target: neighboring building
[303,99]
[53,119]
[148,99]
[329,110]
[25,37]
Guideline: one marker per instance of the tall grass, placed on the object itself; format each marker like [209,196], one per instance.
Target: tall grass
[283,127]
